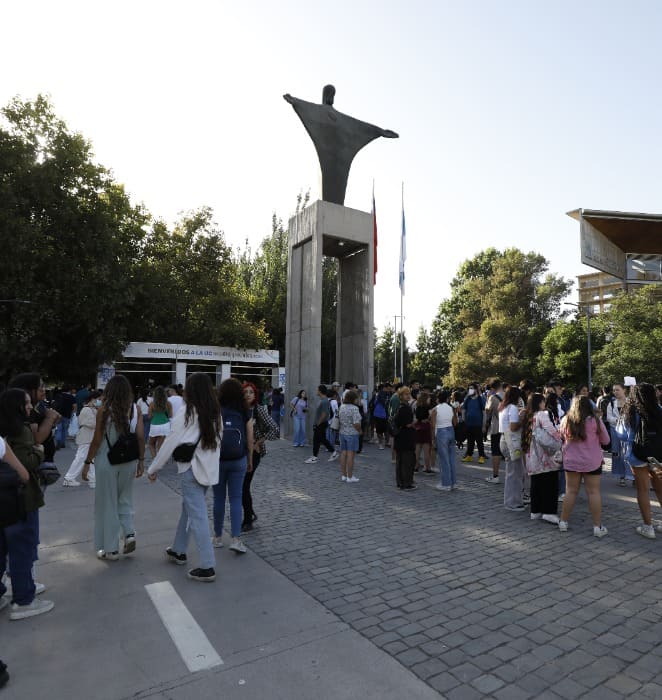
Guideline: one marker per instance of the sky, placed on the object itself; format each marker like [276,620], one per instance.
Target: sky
[510,114]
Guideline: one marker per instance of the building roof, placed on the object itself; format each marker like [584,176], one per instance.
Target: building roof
[631,232]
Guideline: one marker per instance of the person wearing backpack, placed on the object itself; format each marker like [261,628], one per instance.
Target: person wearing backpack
[236,459]
[643,439]
[195,444]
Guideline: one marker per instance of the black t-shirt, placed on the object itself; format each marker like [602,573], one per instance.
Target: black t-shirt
[406,438]
[64,403]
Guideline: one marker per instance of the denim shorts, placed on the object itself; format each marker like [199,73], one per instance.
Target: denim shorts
[349,443]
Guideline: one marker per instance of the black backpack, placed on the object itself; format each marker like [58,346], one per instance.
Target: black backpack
[648,438]
[233,443]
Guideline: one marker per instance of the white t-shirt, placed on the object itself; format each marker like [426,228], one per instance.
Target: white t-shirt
[176,402]
[510,414]
[444,416]
[144,405]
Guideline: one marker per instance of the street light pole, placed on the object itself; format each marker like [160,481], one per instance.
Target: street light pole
[588,339]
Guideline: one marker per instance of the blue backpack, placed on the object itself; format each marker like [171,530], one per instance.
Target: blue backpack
[233,442]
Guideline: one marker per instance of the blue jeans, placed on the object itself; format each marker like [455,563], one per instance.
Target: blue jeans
[617,461]
[275,417]
[299,431]
[147,421]
[61,432]
[231,481]
[18,543]
[194,520]
[445,438]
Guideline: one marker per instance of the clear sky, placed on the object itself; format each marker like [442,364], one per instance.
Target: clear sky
[510,114]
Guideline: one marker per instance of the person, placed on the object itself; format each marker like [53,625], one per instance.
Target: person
[491,427]
[541,441]
[143,405]
[583,434]
[264,428]
[277,402]
[65,405]
[87,421]
[320,424]
[199,424]
[334,423]
[643,439]
[510,427]
[117,417]
[175,400]
[443,419]
[298,410]
[473,407]
[349,417]
[19,542]
[160,413]
[611,410]
[423,430]
[404,442]
[235,460]
[380,415]
[457,397]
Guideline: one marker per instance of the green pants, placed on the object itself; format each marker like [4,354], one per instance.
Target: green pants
[113,503]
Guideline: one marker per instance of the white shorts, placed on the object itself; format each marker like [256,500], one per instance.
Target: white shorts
[159,430]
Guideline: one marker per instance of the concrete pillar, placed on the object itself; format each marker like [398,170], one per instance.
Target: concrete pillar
[333,230]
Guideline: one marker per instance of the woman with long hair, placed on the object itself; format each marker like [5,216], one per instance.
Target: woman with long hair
[510,427]
[541,441]
[198,426]
[614,407]
[159,413]
[264,428]
[118,417]
[582,460]
[298,410]
[443,419]
[423,430]
[19,541]
[404,442]
[236,458]
[643,417]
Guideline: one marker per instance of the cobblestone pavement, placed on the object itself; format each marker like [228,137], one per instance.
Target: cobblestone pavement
[477,601]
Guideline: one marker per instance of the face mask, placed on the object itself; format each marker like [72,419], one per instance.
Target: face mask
[471,392]
[97,403]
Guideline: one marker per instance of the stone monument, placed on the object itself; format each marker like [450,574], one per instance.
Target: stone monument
[327,227]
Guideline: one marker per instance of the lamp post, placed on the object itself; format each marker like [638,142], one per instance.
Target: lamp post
[588,339]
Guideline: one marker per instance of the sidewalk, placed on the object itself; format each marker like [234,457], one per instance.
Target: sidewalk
[105,639]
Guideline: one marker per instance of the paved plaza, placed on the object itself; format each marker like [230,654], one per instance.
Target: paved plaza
[353,590]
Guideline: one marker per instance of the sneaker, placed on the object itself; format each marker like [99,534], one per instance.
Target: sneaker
[481,460]
[381,447]
[70,482]
[561,498]
[334,456]
[129,544]
[536,516]
[413,487]
[658,525]
[599,531]
[551,518]
[442,488]
[647,531]
[352,479]
[343,478]
[108,556]
[92,484]
[468,458]
[4,602]
[36,607]
[179,559]
[39,588]
[621,481]
[204,575]
[216,541]
[516,509]
[310,460]
[526,499]
[238,546]
[493,480]
[563,525]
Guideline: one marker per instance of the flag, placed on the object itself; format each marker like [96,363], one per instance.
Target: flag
[374,236]
[403,252]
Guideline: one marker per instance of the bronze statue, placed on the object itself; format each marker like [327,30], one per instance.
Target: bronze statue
[337,138]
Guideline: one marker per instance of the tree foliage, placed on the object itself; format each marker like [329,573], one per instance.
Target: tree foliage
[387,351]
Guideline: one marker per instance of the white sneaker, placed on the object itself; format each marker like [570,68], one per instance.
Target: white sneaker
[39,588]
[563,525]
[238,546]
[343,478]
[536,516]
[442,488]
[516,509]
[36,607]
[561,498]
[352,479]
[550,518]
[381,447]
[310,460]
[334,456]
[599,531]
[70,482]
[493,480]
[92,484]
[647,531]
[216,541]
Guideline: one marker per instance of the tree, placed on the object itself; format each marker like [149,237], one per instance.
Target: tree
[384,356]
[428,365]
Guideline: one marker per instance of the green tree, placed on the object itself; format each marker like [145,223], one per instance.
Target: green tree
[428,364]
[386,344]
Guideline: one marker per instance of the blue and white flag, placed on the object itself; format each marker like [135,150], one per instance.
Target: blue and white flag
[403,252]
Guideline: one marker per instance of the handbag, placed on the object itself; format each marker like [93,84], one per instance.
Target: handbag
[73,426]
[514,441]
[48,474]
[12,503]
[545,440]
[125,449]
[184,453]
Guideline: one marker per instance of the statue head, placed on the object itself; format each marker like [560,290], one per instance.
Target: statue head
[328,93]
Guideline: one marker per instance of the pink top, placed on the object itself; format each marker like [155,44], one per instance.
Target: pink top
[584,455]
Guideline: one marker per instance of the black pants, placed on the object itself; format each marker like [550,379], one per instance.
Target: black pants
[545,492]
[319,438]
[405,461]
[246,498]
[475,436]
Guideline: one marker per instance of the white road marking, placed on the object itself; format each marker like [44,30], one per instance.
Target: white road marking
[191,642]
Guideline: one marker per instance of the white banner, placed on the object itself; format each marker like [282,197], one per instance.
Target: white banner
[200,352]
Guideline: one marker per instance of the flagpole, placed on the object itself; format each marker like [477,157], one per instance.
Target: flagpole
[402,318]
[395,347]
